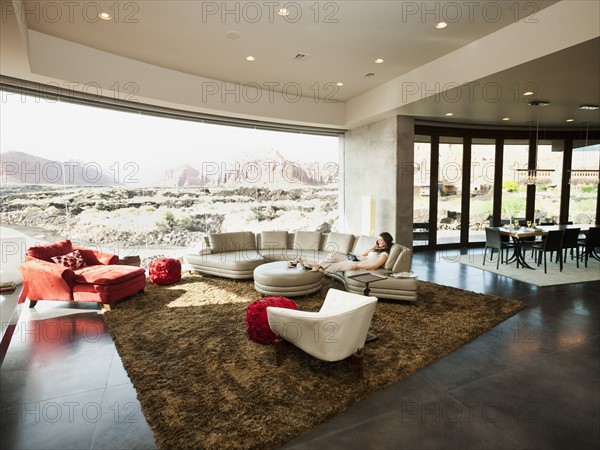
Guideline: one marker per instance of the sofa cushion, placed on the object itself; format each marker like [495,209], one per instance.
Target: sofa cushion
[273,240]
[363,243]
[107,275]
[307,240]
[73,260]
[46,252]
[232,242]
[393,256]
[339,242]
[403,261]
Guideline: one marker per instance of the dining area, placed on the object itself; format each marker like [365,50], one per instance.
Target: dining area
[533,246]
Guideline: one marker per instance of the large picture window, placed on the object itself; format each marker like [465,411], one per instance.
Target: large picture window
[136,183]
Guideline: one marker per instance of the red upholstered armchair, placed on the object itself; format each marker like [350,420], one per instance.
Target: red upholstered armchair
[99,279]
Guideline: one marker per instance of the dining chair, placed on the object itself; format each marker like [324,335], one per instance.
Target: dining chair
[570,241]
[493,241]
[552,243]
[590,243]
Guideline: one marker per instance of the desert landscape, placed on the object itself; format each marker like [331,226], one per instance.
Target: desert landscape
[173,213]
[130,219]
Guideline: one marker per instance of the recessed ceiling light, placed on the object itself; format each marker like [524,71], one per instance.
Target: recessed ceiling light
[570,120]
[589,107]
[441,25]
[301,56]
[340,83]
[539,103]
[283,12]
[449,114]
[105,16]
[250,58]
[506,119]
[232,35]
[378,61]
[528,93]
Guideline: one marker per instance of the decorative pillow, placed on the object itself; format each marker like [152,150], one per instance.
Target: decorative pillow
[73,260]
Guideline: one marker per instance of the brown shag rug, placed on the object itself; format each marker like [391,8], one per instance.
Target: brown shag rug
[203,383]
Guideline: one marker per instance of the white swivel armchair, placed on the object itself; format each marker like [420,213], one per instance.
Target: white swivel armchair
[338,331]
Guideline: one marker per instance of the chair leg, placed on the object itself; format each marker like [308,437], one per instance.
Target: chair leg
[358,360]
[545,266]
[498,259]
[558,255]
[484,255]
[280,346]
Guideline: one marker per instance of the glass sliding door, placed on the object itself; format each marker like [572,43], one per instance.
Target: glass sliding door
[421,190]
[514,194]
[449,208]
[547,194]
[468,179]
[483,163]
[584,185]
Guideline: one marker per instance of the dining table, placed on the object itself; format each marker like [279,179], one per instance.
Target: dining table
[520,235]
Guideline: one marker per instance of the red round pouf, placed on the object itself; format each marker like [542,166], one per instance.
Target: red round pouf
[257,323]
[165,271]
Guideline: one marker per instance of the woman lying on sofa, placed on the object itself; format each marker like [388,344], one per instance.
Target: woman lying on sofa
[372,259]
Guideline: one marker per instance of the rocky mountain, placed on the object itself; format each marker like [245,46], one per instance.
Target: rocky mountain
[184,175]
[265,169]
[25,168]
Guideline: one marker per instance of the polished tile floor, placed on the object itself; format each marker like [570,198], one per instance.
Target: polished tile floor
[533,382]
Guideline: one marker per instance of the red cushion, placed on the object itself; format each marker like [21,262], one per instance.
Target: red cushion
[108,293]
[46,252]
[106,275]
[257,323]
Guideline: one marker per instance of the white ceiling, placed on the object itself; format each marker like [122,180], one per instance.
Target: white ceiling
[342,39]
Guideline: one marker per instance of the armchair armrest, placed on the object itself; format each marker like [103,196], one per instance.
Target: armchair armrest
[95,257]
[43,280]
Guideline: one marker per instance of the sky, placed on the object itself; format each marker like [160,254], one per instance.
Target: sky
[63,131]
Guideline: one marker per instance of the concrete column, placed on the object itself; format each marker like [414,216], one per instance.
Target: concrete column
[377,178]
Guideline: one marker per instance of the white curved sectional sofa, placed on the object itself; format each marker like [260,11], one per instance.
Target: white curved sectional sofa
[235,255]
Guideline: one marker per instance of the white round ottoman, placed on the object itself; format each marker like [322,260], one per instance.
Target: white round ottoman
[278,279]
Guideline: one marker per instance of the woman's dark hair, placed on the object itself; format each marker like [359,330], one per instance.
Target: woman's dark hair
[389,240]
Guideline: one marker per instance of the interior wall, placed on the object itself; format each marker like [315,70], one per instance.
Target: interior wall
[376,189]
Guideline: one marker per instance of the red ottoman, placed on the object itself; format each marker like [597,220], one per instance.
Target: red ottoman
[257,324]
[165,271]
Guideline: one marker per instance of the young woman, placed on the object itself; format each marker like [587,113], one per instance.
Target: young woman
[372,259]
